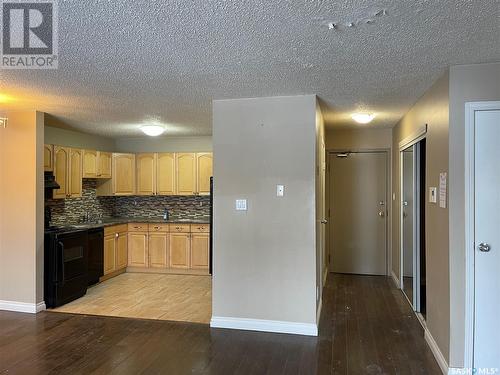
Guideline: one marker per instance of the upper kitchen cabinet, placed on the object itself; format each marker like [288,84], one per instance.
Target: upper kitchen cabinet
[203,172]
[89,164]
[104,161]
[146,174]
[186,173]
[68,172]
[96,164]
[165,174]
[123,172]
[48,158]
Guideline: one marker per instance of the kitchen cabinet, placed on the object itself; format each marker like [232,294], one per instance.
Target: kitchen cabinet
[179,247]
[68,172]
[96,164]
[138,249]
[158,248]
[109,253]
[89,164]
[48,158]
[199,250]
[165,174]
[123,174]
[104,161]
[203,172]
[186,173]
[115,249]
[146,174]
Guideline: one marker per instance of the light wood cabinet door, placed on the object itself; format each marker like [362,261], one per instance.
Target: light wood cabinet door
[179,245]
[186,173]
[61,161]
[109,253]
[138,249]
[123,174]
[158,247]
[89,164]
[104,164]
[203,172]
[165,174]
[121,251]
[48,158]
[75,172]
[199,250]
[146,174]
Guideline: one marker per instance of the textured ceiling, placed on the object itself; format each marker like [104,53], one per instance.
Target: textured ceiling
[123,63]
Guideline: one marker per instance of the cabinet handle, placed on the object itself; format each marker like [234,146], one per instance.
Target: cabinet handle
[137,227]
[156,228]
[116,235]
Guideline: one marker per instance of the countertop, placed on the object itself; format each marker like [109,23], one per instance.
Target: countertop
[110,221]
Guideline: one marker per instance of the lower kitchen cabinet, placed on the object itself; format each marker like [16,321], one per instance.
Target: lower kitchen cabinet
[138,249]
[200,250]
[179,250]
[121,251]
[158,249]
[115,249]
[109,253]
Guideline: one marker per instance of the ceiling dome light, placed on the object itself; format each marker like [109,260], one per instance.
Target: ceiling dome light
[363,118]
[153,130]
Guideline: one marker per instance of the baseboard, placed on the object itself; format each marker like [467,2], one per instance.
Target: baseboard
[395,279]
[276,326]
[437,352]
[23,307]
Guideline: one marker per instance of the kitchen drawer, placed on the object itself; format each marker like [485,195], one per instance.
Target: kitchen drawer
[115,229]
[180,228]
[137,227]
[158,227]
[200,228]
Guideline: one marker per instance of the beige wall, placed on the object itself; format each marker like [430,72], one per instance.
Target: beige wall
[164,144]
[431,109]
[467,83]
[71,138]
[358,139]
[264,258]
[21,202]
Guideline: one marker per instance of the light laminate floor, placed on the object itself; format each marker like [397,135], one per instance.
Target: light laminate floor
[185,298]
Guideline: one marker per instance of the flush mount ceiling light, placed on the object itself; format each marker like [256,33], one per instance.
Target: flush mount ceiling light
[363,118]
[153,130]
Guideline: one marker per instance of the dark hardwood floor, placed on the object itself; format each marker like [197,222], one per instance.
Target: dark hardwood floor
[366,328]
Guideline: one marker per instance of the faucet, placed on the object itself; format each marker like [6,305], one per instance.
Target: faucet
[165,214]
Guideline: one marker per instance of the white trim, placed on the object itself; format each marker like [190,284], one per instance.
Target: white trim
[470,110]
[395,279]
[443,365]
[308,329]
[23,307]
[318,311]
[413,138]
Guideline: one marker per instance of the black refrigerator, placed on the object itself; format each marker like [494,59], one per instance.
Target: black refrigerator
[211,245]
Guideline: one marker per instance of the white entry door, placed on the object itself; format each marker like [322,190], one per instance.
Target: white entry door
[358,213]
[487,241]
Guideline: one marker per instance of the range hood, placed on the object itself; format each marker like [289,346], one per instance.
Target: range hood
[50,181]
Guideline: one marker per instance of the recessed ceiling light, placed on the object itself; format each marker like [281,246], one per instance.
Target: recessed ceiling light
[363,118]
[153,130]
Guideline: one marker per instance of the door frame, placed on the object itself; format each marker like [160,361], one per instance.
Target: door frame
[470,124]
[388,200]
[415,303]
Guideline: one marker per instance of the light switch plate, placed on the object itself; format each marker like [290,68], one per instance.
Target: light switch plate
[241,204]
[280,190]
[432,195]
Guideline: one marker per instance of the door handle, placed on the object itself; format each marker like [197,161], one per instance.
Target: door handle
[324,221]
[381,213]
[484,247]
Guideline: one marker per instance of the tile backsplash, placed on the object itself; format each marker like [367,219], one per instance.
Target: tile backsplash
[72,210]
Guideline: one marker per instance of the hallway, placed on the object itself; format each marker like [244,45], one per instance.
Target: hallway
[366,328]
